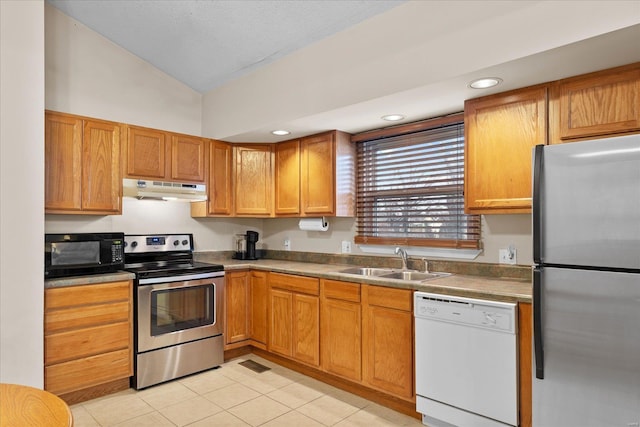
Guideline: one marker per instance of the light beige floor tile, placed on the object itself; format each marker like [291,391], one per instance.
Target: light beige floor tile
[292,419]
[113,410]
[231,396]
[221,419]
[328,410]
[259,410]
[191,410]
[153,419]
[207,381]
[163,395]
[82,417]
[295,395]
[266,382]
[395,417]
[365,419]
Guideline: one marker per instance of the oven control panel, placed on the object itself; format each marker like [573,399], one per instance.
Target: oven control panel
[158,243]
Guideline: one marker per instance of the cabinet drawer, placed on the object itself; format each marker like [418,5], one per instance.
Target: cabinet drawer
[303,285]
[86,294]
[82,373]
[400,299]
[85,342]
[345,291]
[82,317]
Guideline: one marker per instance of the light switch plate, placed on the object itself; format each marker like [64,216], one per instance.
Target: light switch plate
[503,257]
[346,247]
[287,244]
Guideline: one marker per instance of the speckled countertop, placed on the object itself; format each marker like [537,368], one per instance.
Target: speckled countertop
[514,289]
[492,288]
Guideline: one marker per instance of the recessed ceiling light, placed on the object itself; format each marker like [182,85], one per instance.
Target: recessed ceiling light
[485,82]
[280,132]
[392,117]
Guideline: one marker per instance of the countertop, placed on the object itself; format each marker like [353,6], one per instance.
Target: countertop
[492,288]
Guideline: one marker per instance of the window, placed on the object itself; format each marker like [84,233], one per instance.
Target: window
[410,187]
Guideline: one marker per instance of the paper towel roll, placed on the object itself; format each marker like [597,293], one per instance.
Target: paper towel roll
[313,224]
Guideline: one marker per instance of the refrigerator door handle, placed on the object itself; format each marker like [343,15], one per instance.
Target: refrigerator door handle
[537,323]
[536,208]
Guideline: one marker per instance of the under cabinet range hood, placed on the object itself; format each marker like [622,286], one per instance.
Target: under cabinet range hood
[163,190]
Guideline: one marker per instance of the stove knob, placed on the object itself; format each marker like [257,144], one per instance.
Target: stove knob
[176,242]
[126,244]
[185,242]
[134,244]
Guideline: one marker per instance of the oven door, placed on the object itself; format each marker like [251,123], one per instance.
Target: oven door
[177,311]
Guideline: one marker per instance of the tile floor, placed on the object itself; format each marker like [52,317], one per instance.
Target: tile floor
[234,395]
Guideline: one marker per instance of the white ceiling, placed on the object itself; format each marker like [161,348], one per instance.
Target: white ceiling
[414,58]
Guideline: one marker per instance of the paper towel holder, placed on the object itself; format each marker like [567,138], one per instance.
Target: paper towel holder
[313,224]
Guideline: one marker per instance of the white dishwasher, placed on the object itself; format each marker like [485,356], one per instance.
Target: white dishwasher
[466,361]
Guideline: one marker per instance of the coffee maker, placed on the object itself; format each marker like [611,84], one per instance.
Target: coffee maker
[246,245]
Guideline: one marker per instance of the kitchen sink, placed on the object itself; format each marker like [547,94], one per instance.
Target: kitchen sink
[416,276]
[367,271]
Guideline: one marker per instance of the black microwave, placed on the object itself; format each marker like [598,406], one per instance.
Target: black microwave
[77,254]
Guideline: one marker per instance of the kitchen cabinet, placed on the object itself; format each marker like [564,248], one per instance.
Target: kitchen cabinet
[237,294]
[88,336]
[82,165]
[253,180]
[287,178]
[387,340]
[596,104]
[258,320]
[220,193]
[341,328]
[500,132]
[327,175]
[156,154]
[294,317]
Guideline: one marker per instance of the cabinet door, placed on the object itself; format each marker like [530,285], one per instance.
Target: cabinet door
[341,338]
[387,340]
[187,158]
[101,180]
[253,180]
[306,329]
[220,176]
[258,311]
[287,178]
[237,307]
[501,131]
[318,175]
[63,162]
[600,104]
[147,153]
[280,324]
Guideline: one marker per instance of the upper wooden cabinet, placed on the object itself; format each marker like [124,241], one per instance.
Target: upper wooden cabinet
[219,186]
[597,104]
[160,155]
[500,132]
[82,165]
[315,176]
[287,178]
[253,179]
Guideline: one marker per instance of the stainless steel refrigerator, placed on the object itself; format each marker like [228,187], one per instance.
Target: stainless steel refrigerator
[586,286]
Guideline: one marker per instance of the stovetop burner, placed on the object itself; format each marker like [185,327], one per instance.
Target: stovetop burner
[163,255]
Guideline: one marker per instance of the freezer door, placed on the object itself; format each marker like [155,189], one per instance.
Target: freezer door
[587,203]
[590,334]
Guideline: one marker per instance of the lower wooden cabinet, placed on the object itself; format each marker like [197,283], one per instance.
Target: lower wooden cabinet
[236,327]
[88,336]
[294,317]
[258,321]
[387,340]
[341,329]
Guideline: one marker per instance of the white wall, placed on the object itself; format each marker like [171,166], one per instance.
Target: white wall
[89,75]
[21,192]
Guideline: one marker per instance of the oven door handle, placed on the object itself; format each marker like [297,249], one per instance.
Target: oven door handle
[183,278]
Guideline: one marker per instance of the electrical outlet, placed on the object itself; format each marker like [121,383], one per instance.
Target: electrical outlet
[287,244]
[346,247]
[507,256]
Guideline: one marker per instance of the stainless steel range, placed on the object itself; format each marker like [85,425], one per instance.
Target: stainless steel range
[178,308]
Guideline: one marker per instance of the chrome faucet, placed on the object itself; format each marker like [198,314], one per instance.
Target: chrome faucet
[426,265]
[403,256]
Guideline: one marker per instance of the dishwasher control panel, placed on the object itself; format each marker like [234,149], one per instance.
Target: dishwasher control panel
[466,311]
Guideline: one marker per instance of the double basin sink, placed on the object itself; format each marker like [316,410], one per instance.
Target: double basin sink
[392,273]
